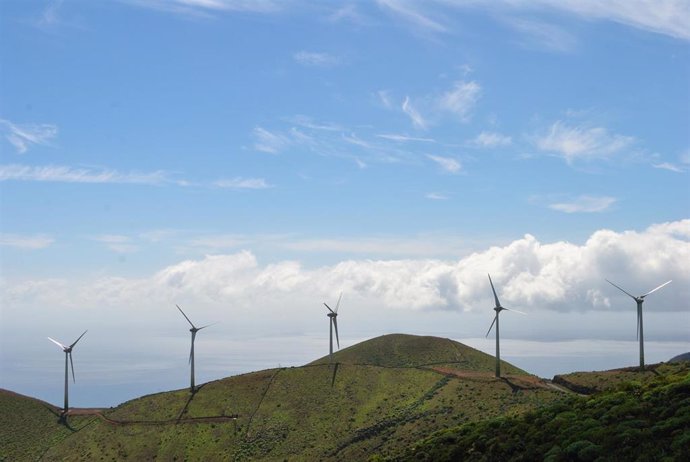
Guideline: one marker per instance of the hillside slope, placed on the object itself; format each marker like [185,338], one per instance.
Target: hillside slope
[382,396]
[635,418]
[28,426]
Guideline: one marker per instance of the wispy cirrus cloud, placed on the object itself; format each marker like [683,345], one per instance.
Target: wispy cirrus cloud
[201,8]
[581,142]
[417,119]
[269,142]
[50,16]
[404,138]
[63,174]
[461,99]
[243,183]
[543,36]
[585,204]
[24,136]
[316,59]
[412,15]
[118,243]
[27,242]
[666,17]
[448,164]
[491,140]
[436,196]
[682,166]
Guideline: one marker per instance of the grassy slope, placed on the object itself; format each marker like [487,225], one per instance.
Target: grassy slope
[639,416]
[402,350]
[30,426]
[303,413]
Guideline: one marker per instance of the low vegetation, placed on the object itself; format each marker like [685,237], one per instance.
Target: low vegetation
[382,400]
[640,416]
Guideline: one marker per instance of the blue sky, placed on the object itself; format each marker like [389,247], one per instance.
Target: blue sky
[251,159]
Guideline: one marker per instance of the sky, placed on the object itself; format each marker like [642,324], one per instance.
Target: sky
[250,160]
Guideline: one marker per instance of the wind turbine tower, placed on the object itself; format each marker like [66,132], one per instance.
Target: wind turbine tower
[639,300]
[498,308]
[68,354]
[333,323]
[193,330]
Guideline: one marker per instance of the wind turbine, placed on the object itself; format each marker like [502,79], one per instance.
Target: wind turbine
[333,315]
[68,353]
[498,308]
[193,330]
[640,301]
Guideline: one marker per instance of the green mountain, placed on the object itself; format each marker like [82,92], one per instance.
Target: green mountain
[381,397]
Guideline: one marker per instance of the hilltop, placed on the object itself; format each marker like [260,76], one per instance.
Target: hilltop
[382,395]
[403,350]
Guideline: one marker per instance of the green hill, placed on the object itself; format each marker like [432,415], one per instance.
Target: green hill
[402,350]
[29,427]
[384,395]
[642,417]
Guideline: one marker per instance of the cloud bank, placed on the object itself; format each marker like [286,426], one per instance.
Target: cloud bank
[529,275]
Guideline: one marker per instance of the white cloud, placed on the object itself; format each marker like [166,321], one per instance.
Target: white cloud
[25,242]
[385,99]
[243,183]
[586,204]
[528,274]
[436,196]
[491,140]
[544,36]
[461,99]
[50,16]
[404,138]
[668,166]
[575,143]
[207,7]
[117,243]
[54,173]
[310,58]
[269,142]
[448,164]
[417,119]
[668,17]
[413,16]
[24,136]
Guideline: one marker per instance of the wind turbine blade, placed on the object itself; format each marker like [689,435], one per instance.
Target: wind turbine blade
[491,326]
[58,343]
[75,342]
[494,291]
[626,293]
[72,364]
[207,325]
[637,332]
[185,316]
[335,324]
[515,311]
[654,290]
[337,305]
[329,308]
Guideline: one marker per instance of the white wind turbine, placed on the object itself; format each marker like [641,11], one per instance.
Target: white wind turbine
[193,330]
[333,323]
[68,354]
[639,300]
[498,308]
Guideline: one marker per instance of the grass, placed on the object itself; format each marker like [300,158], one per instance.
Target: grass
[29,427]
[387,395]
